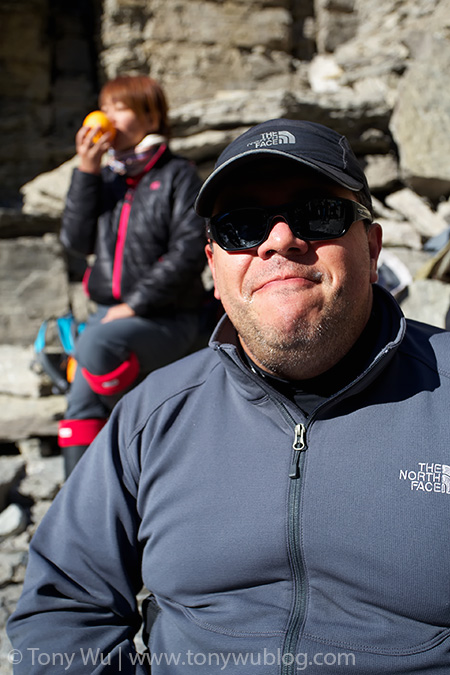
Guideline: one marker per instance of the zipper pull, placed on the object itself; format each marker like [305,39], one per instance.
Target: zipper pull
[299,446]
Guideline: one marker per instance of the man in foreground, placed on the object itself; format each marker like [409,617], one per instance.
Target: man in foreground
[284,494]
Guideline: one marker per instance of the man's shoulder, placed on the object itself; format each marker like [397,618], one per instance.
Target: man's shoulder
[188,371]
[429,344]
[426,331]
[178,379]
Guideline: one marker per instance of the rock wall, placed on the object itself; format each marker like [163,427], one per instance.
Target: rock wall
[48,79]
[372,69]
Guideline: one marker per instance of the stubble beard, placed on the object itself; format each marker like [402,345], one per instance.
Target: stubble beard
[310,347]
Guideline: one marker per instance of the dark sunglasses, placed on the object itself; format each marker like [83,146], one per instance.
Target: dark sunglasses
[312,220]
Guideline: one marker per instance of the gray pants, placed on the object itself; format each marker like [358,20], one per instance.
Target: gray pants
[102,348]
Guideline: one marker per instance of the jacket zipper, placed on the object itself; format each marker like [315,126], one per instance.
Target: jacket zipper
[299,446]
[298,610]
[297,614]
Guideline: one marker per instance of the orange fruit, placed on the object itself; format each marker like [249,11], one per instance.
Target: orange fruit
[99,119]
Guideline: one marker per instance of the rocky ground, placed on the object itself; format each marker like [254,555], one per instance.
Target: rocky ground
[28,483]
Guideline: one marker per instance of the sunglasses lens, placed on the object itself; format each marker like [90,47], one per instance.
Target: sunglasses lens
[240,229]
[313,220]
[322,219]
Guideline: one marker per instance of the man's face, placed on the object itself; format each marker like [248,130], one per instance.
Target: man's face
[298,306]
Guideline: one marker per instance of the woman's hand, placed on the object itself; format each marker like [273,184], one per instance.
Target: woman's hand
[91,153]
[122,311]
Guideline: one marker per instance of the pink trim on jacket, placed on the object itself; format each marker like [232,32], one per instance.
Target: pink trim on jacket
[120,245]
[123,224]
[85,281]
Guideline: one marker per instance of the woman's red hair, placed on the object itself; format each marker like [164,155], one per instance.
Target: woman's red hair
[143,95]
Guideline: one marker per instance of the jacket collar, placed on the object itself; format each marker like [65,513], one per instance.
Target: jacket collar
[224,340]
[132,181]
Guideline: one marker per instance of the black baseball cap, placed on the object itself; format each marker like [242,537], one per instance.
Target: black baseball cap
[309,143]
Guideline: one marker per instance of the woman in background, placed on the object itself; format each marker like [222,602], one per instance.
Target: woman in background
[136,215]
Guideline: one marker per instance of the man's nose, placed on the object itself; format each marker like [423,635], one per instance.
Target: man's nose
[281,240]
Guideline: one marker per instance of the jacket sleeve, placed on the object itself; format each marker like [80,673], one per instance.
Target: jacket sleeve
[79,603]
[185,258]
[79,220]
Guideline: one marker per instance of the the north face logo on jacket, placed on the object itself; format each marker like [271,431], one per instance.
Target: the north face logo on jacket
[428,477]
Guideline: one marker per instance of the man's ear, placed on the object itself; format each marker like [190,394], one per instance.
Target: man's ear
[375,238]
[209,250]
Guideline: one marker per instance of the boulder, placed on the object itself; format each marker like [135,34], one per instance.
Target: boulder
[13,521]
[12,469]
[401,233]
[33,286]
[428,300]
[420,121]
[16,223]
[46,193]
[382,172]
[415,209]
[336,23]
[25,417]
[17,377]
[43,480]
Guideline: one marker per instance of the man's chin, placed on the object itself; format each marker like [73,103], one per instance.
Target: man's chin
[291,325]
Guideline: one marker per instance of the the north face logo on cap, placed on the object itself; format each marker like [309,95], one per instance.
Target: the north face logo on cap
[271,138]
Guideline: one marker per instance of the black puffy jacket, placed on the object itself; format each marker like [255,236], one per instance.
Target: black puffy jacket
[147,240]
